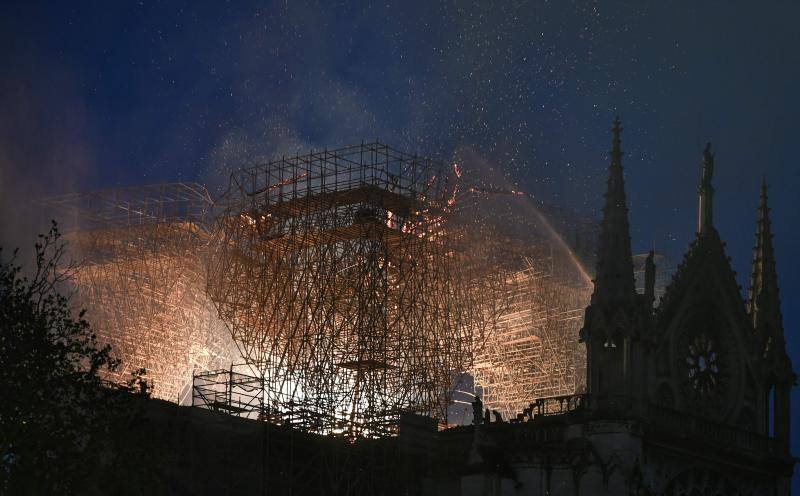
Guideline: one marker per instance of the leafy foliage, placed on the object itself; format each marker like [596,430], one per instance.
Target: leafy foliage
[60,424]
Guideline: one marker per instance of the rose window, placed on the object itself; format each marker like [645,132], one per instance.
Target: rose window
[703,365]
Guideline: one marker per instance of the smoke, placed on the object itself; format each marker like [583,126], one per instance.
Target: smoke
[322,114]
[45,148]
[496,203]
[289,91]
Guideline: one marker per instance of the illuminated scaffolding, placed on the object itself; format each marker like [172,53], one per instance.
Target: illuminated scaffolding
[530,292]
[140,273]
[355,284]
[334,274]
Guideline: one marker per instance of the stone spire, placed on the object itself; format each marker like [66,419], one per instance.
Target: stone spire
[614,283]
[705,211]
[763,300]
[764,306]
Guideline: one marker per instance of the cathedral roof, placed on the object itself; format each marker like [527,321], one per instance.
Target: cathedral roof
[706,252]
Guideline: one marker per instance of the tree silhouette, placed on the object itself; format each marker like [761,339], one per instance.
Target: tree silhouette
[60,425]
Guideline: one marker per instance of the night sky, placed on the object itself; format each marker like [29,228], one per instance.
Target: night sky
[96,96]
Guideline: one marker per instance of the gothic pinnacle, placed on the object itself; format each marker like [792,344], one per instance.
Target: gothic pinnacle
[614,275]
[763,301]
[616,153]
[705,193]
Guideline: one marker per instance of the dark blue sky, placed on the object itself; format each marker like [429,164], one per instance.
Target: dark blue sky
[93,95]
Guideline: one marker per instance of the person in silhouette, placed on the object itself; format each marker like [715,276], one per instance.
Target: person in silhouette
[477,410]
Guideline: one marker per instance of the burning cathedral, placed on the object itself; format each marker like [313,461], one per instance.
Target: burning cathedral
[364,321]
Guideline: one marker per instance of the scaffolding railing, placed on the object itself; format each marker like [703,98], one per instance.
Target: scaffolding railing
[129,206]
[240,392]
[357,168]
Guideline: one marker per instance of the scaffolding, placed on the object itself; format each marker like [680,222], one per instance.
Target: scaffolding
[140,273]
[235,391]
[334,275]
[356,285]
[532,350]
[530,292]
